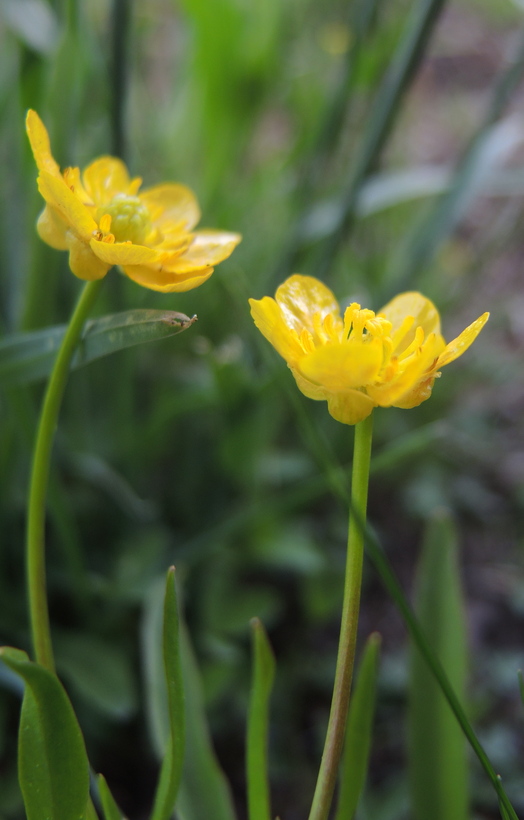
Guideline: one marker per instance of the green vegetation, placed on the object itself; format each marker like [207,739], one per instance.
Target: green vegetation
[379,147]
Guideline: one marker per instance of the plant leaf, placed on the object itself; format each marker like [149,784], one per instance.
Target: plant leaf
[408,56]
[27,357]
[437,753]
[259,806]
[200,763]
[358,731]
[52,760]
[110,808]
[171,771]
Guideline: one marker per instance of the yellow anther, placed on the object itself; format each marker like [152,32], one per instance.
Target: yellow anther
[105,223]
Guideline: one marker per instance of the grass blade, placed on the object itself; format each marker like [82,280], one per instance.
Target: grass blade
[385,109]
[27,357]
[109,806]
[259,806]
[171,770]
[358,732]
[437,754]
[200,763]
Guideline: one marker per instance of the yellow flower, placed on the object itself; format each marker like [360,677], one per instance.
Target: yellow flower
[364,360]
[102,220]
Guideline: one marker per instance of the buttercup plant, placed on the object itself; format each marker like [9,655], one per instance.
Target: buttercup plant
[355,363]
[304,141]
[153,244]
[103,219]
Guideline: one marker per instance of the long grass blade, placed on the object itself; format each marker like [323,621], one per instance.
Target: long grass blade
[259,806]
[385,109]
[201,765]
[358,733]
[361,23]
[109,806]
[436,749]
[171,771]
[120,24]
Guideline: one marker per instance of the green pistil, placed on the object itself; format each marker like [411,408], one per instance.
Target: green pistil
[130,220]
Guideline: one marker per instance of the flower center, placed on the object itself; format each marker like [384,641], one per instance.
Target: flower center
[130,220]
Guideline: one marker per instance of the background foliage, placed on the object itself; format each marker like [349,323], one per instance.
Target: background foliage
[198,450]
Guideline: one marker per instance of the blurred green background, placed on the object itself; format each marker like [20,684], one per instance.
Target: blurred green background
[379,146]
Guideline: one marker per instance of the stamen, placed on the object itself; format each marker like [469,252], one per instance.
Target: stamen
[415,344]
[105,223]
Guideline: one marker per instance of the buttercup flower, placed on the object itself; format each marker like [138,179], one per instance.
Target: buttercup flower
[365,360]
[102,220]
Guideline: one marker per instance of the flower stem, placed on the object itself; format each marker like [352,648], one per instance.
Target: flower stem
[36,509]
[329,766]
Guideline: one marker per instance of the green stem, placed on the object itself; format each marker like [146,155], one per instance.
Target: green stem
[36,579]
[329,766]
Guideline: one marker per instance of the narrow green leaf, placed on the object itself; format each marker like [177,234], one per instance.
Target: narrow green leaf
[358,732]
[52,761]
[200,763]
[110,808]
[27,357]
[259,804]
[437,754]
[503,813]
[410,52]
[171,770]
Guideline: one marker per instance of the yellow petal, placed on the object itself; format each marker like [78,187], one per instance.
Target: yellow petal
[52,228]
[125,253]
[350,407]
[300,297]
[172,245]
[172,207]
[269,320]
[104,178]
[419,393]
[71,209]
[74,182]
[83,261]
[207,248]
[40,145]
[458,346]
[339,367]
[312,391]
[413,304]
[164,281]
